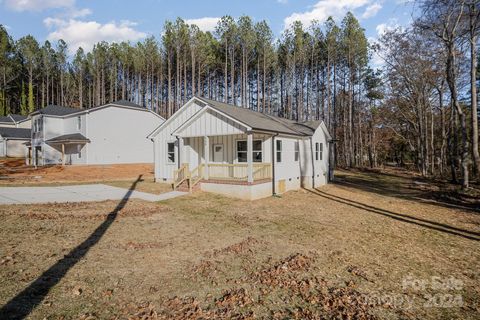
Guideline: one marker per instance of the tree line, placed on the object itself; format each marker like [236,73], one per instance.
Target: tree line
[418,108]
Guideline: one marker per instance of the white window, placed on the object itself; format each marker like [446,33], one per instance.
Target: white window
[317,150]
[171,152]
[79,123]
[242,151]
[279,150]
[297,150]
[321,151]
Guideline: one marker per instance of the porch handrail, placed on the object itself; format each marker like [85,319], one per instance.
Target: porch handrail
[238,171]
[262,171]
[196,175]
[180,175]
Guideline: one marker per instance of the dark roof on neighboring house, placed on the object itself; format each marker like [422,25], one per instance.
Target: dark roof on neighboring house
[15,133]
[12,118]
[53,110]
[6,119]
[69,138]
[18,117]
[126,103]
[261,121]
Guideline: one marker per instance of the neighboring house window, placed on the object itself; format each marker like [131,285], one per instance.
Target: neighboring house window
[297,150]
[279,150]
[317,151]
[171,152]
[79,123]
[321,151]
[242,151]
[79,151]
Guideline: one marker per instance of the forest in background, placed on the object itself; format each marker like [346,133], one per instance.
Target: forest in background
[418,109]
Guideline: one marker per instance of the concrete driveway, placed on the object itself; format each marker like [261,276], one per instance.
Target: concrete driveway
[79,193]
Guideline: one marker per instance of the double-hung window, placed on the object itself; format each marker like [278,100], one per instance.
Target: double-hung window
[242,151]
[171,152]
[279,150]
[317,150]
[79,123]
[321,151]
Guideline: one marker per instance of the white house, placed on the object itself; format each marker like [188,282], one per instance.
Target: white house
[239,152]
[110,134]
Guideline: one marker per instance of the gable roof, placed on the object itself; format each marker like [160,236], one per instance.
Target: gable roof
[13,118]
[18,117]
[54,110]
[125,103]
[263,122]
[15,133]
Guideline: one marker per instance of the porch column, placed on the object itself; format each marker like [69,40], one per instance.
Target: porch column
[63,154]
[206,148]
[181,151]
[249,157]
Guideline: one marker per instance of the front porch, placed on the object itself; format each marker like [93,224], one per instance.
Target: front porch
[239,159]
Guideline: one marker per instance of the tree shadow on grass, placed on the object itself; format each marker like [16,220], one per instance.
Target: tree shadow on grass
[471,235]
[410,188]
[24,302]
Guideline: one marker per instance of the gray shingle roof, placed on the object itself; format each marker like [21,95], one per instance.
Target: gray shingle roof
[53,110]
[126,103]
[73,137]
[18,117]
[6,119]
[261,121]
[15,133]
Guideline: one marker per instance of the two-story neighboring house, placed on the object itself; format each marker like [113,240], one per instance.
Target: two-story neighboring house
[14,135]
[109,134]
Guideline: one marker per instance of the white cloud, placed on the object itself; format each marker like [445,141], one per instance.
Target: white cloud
[387,26]
[85,34]
[38,5]
[371,10]
[204,24]
[324,9]
[282,1]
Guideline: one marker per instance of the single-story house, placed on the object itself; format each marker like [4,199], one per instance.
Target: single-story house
[13,141]
[238,152]
[15,121]
[109,134]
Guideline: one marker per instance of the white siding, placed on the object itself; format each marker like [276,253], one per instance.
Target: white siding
[27,124]
[119,135]
[164,170]
[210,123]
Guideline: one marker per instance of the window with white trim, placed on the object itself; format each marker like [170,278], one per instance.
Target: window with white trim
[79,123]
[279,150]
[297,151]
[256,150]
[321,151]
[317,150]
[171,152]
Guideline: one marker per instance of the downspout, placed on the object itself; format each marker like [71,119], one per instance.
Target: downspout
[313,163]
[274,193]
[178,151]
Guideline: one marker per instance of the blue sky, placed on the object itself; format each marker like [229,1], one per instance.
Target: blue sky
[85,22]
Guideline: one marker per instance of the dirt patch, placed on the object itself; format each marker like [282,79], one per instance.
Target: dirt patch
[14,172]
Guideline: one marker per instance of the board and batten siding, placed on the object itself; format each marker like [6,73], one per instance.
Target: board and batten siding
[163,169]
[210,123]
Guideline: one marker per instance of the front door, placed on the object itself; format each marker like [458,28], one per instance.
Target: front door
[218,153]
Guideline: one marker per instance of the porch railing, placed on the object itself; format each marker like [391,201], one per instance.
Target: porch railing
[238,171]
[180,175]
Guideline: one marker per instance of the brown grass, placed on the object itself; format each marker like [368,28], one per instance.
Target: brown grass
[306,255]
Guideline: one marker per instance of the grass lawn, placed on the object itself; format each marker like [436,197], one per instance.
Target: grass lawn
[366,247]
